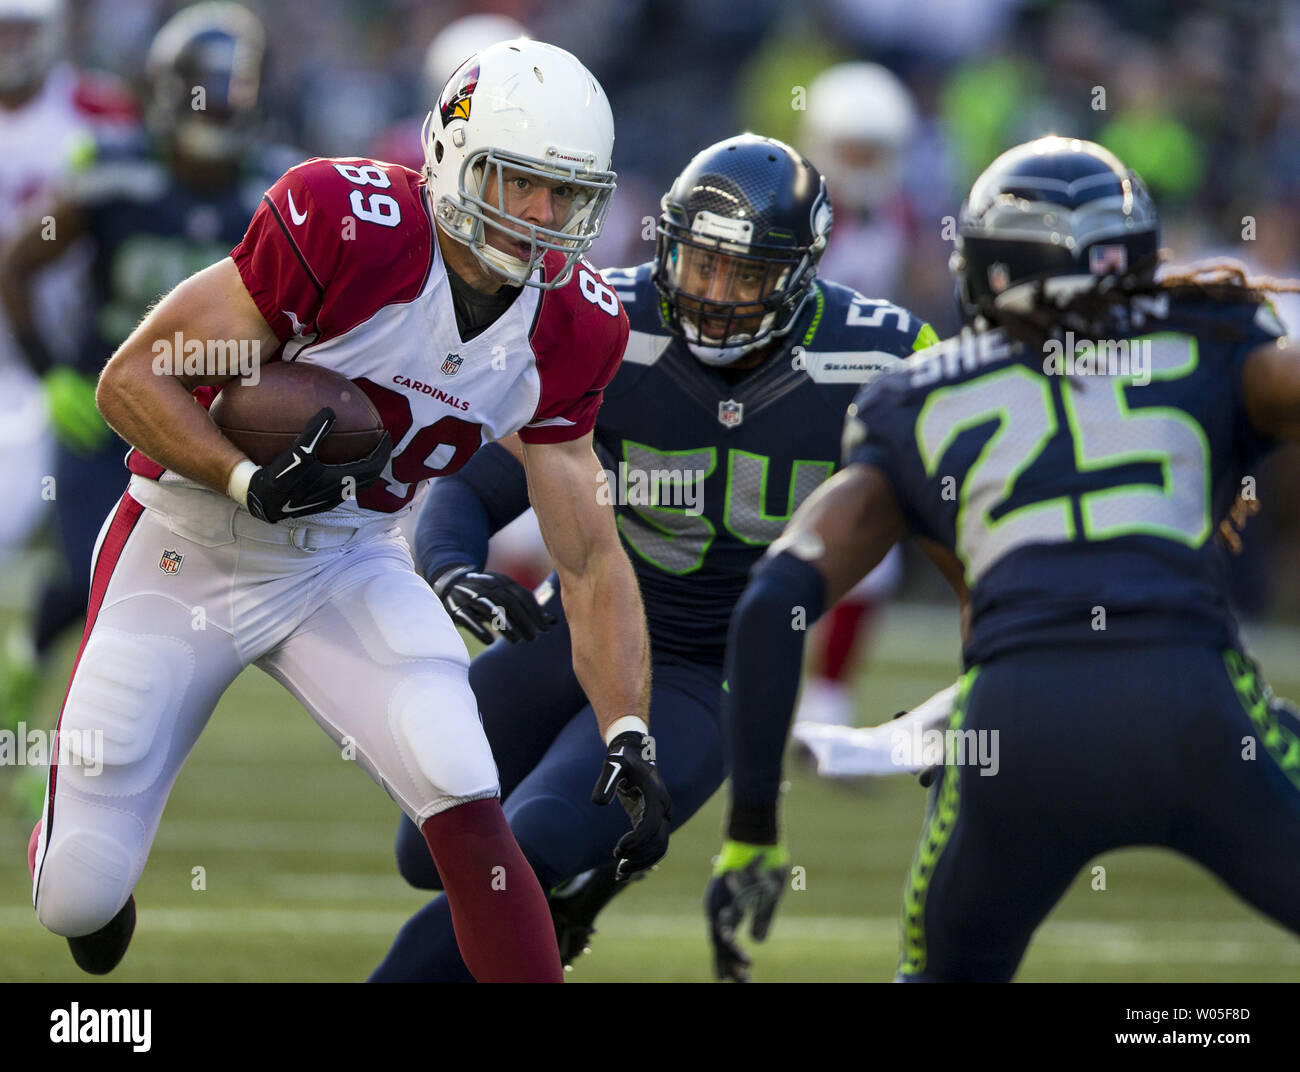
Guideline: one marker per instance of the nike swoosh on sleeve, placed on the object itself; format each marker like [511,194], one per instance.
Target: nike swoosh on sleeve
[298,218]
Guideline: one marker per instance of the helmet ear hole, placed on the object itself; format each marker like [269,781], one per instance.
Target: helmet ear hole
[437,151]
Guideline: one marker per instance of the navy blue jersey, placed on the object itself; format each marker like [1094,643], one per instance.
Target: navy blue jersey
[709,463]
[1082,506]
[149,232]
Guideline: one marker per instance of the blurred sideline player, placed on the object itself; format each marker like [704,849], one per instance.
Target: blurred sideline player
[469,277]
[519,551]
[152,214]
[725,414]
[49,112]
[858,125]
[1101,648]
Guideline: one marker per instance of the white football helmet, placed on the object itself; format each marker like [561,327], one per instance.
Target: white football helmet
[857,126]
[533,109]
[32,36]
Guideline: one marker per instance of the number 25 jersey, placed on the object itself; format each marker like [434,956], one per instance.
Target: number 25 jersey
[1083,507]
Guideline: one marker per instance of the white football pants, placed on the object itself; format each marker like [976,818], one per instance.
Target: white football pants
[187,590]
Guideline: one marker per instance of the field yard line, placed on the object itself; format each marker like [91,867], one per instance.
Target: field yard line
[1105,942]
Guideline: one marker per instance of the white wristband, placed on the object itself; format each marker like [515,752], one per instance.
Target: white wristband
[237,489]
[622,725]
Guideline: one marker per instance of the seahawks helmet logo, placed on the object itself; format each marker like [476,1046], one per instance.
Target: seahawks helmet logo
[455,100]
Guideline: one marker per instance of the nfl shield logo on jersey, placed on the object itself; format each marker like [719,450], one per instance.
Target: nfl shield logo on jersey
[451,364]
[731,412]
[171,561]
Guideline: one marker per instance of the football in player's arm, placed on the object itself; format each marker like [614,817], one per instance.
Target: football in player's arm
[344,266]
[158,416]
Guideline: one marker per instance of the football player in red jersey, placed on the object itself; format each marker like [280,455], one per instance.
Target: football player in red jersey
[458,301]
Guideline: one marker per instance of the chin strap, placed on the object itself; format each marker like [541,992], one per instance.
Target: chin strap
[720,355]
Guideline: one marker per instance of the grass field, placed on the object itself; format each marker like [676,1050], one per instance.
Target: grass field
[296,847]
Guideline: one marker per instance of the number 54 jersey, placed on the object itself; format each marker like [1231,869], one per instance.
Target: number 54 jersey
[1079,485]
[706,465]
[342,261]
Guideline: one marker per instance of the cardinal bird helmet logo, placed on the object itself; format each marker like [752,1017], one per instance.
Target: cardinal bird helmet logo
[455,100]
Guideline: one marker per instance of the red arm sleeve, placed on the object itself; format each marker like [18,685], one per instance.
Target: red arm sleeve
[288,255]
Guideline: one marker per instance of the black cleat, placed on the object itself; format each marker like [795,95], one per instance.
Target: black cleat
[101,951]
[576,904]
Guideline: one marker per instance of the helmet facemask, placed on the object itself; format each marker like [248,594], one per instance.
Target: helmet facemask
[472,218]
[726,297]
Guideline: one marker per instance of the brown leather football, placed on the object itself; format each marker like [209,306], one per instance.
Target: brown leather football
[264,419]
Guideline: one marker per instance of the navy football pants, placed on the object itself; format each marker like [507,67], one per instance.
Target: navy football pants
[549,754]
[1173,746]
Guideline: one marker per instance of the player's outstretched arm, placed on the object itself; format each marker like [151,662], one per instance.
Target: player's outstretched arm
[837,536]
[460,515]
[148,402]
[611,650]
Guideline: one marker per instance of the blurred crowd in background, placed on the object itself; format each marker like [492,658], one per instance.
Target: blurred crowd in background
[1202,99]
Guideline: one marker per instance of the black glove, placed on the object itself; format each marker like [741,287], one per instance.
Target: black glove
[745,877]
[297,483]
[483,601]
[631,772]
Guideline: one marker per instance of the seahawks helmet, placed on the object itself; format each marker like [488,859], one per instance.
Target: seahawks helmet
[739,238]
[1051,216]
[205,72]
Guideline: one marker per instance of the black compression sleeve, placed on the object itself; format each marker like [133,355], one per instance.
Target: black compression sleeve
[764,660]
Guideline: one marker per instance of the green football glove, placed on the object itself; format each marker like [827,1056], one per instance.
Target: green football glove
[744,877]
[70,397]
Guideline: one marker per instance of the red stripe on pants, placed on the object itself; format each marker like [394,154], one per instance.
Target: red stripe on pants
[110,551]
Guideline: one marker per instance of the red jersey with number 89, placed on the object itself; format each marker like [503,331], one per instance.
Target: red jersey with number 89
[342,261]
